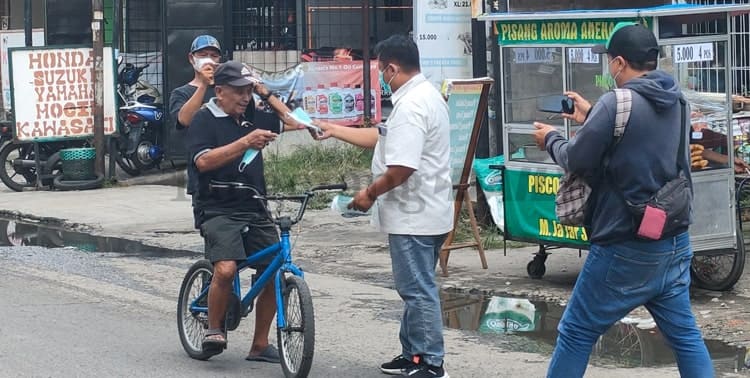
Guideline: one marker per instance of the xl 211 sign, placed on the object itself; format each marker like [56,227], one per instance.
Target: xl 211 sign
[53,93]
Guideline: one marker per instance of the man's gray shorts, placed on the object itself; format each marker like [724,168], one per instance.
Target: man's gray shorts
[225,240]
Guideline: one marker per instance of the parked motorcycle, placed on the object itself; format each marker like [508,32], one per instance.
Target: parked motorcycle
[141,121]
[6,131]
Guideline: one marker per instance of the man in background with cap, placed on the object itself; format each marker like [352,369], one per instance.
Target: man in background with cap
[623,271]
[219,135]
[184,101]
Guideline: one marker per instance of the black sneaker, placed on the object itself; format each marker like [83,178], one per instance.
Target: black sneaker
[397,365]
[426,371]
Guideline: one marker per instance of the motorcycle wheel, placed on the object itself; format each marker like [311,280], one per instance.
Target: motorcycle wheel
[125,161]
[22,178]
[141,157]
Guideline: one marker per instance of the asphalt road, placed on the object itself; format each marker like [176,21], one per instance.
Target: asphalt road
[68,313]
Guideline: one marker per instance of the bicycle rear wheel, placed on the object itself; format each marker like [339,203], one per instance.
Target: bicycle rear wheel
[192,325]
[297,339]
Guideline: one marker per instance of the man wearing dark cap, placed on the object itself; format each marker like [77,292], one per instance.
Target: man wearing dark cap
[622,270]
[219,135]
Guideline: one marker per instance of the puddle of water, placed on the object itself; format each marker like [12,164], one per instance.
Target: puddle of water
[14,233]
[526,325]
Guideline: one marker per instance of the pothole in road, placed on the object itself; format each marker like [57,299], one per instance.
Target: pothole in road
[524,325]
[14,233]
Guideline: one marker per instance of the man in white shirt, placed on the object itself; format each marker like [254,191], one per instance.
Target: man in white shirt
[413,192]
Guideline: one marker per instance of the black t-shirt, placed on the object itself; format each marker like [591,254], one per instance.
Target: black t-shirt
[212,128]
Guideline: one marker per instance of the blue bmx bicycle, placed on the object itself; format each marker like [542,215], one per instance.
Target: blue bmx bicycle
[295,322]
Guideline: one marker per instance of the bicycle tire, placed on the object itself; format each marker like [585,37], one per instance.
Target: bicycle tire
[191,335]
[701,270]
[296,356]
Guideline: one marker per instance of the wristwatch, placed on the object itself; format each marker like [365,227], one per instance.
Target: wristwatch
[265,97]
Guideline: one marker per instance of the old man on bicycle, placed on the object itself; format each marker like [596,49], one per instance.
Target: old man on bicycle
[232,222]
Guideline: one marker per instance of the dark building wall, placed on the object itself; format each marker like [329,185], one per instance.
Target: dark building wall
[69,22]
[16,13]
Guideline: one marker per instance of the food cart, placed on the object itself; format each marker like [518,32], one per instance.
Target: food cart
[547,53]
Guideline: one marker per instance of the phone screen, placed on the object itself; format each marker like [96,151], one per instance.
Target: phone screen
[556,104]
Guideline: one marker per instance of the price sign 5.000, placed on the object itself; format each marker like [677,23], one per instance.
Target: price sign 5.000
[698,52]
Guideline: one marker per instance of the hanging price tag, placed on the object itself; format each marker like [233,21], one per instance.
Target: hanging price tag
[582,55]
[697,52]
[527,55]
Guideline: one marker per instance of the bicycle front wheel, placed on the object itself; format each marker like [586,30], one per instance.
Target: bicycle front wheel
[191,324]
[297,339]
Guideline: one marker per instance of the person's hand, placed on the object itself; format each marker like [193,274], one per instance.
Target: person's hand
[288,120]
[581,106]
[540,135]
[206,74]
[361,202]
[259,138]
[740,166]
[324,126]
[261,90]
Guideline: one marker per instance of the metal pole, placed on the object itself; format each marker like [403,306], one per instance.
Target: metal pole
[27,28]
[117,26]
[27,22]
[98,39]
[366,60]
[117,32]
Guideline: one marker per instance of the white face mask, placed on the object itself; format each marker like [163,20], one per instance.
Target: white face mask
[198,63]
[614,78]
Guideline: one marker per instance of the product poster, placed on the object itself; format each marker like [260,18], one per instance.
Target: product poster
[330,91]
[53,93]
[442,31]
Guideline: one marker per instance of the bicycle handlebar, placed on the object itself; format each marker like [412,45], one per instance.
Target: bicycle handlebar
[303,198]
[341,186]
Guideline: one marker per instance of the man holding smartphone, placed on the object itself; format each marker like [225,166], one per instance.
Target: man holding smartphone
[623,271]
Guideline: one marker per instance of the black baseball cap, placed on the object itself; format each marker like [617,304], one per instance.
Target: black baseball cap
[233,73]
[632,41]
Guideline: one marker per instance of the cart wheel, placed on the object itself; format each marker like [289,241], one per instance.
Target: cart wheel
[718,269]
[535,268]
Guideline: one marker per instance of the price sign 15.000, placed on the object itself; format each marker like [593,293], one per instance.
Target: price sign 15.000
[698,52]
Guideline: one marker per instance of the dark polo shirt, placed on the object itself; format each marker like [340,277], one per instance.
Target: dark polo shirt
[212,128]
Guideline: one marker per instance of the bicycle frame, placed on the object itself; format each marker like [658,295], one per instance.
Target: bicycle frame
[282,263]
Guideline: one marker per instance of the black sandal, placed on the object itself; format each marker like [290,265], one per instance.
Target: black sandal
[212,345]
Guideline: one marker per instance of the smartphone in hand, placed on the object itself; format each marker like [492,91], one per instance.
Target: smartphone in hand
[556,104]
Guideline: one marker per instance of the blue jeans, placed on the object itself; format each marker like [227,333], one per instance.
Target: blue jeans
[414,259]
[616,279]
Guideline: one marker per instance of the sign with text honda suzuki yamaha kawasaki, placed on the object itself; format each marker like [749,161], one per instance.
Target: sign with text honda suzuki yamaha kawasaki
[530,209]
[442,31]
[53,93]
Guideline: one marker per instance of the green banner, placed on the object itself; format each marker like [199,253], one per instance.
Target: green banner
[530,209]
[570,32]
[463,104]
